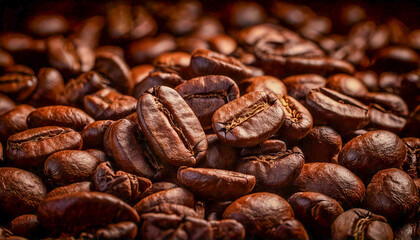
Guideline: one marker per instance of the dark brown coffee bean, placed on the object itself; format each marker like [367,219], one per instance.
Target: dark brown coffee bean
[101,155]
[359,223]
[162,226]
[371,152]
[272,164]
[147,49]
[322,144]
[291,14]
[265,83]
[71,188]
[219,155]
[126,22]
[174,62]
[289,229]
[61,116]
[140,72]
[121,230]
[26,225]
[379,118]
[175,195]
[50,86]
[393,194]
[116,70]
[299,86]
[20,191]
[86,83]
[70,166]
[228,229]
[45,25]
[124,141]
[332,180]
[242,122]
[17,83]
[191,44]
[14,121]
[316,27]
[316,211]
[343,113]
[207,94]
[70,57]
[410,88]
[396,59]
[126,186]
[6,60]
[223,44]
[389,101]
[408,231]
[89,31]
[411,164]
[166,120]
[347,85]
[170,208]
[206,62]
[158,187]
[369,78]
[111,49]
[157,79]
[93,134]
[76,212]
[6,104]
[109,104]
[259,213]
[216,183]
[33,146]
[244,14]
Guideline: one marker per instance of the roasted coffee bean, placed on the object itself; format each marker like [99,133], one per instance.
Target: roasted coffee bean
[86,83]
[343,113]
[171,127]
[111,49]
[218,155]
[70,57]
[157,79]
[299,86]
[333,180]
[109,104]
[14,121]
[99,154]
[76,212]
[191,44]
[18,83]
[70,166]
[395,190]
[1,153]
[147,49]
[289,229]
[264,83]
[396,59]
[121,230]
[33,146]
[45,25]
[177,195]
[206,62]
[6,60]
[158,187]
[124,141]
[408,231]
[223,44]
[61,116]
[380,118]
[259,213]
[216,184]
[272,165]
[6,104]
[316,27]
[174,62]
[116,70]
[227,229]
[410,88]
[93,134]
[207,94]
[126,186]
[347,85]
[242,122]
[371,152]
[50,86]
[140,72]
[89,31]
[322,144]
[162,226]
[316,211]
[390,102]
[71,188]
[245,14]
[20,191]
[26,225]
[359,223]
[170,208]
[297,122]
[369,78]
[412,160]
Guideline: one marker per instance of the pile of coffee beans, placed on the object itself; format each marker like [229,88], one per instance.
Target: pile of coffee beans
[181,120]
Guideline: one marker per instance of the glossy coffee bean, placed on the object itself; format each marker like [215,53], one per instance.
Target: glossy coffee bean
[26,225]
[147,49]
[316,210]
[18,83]
[89,31]
[33,146]
[227,229]
[157,79]
[243,14]
[140,72]
[264,83]
[223,44]
[111,49]
[14,121]
[93,134]
[158,187]
[395,190]
[174,62]
[346,84]
[75,212]
[259,213]
[322,144]
[45,25]
[6,104]
[369,78]
[207,94]
[333,180]
[70,166]
[396,59]
[61,116]
[170,208]
[71,188]
[50,86]
[409,230]
[242,122]
[20,191]
[109,104]
[289,229]
[218,155]
[121,230]
[216,184]
[360,223]
[411,162]
[371,152]
[299,86]
[171,127]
